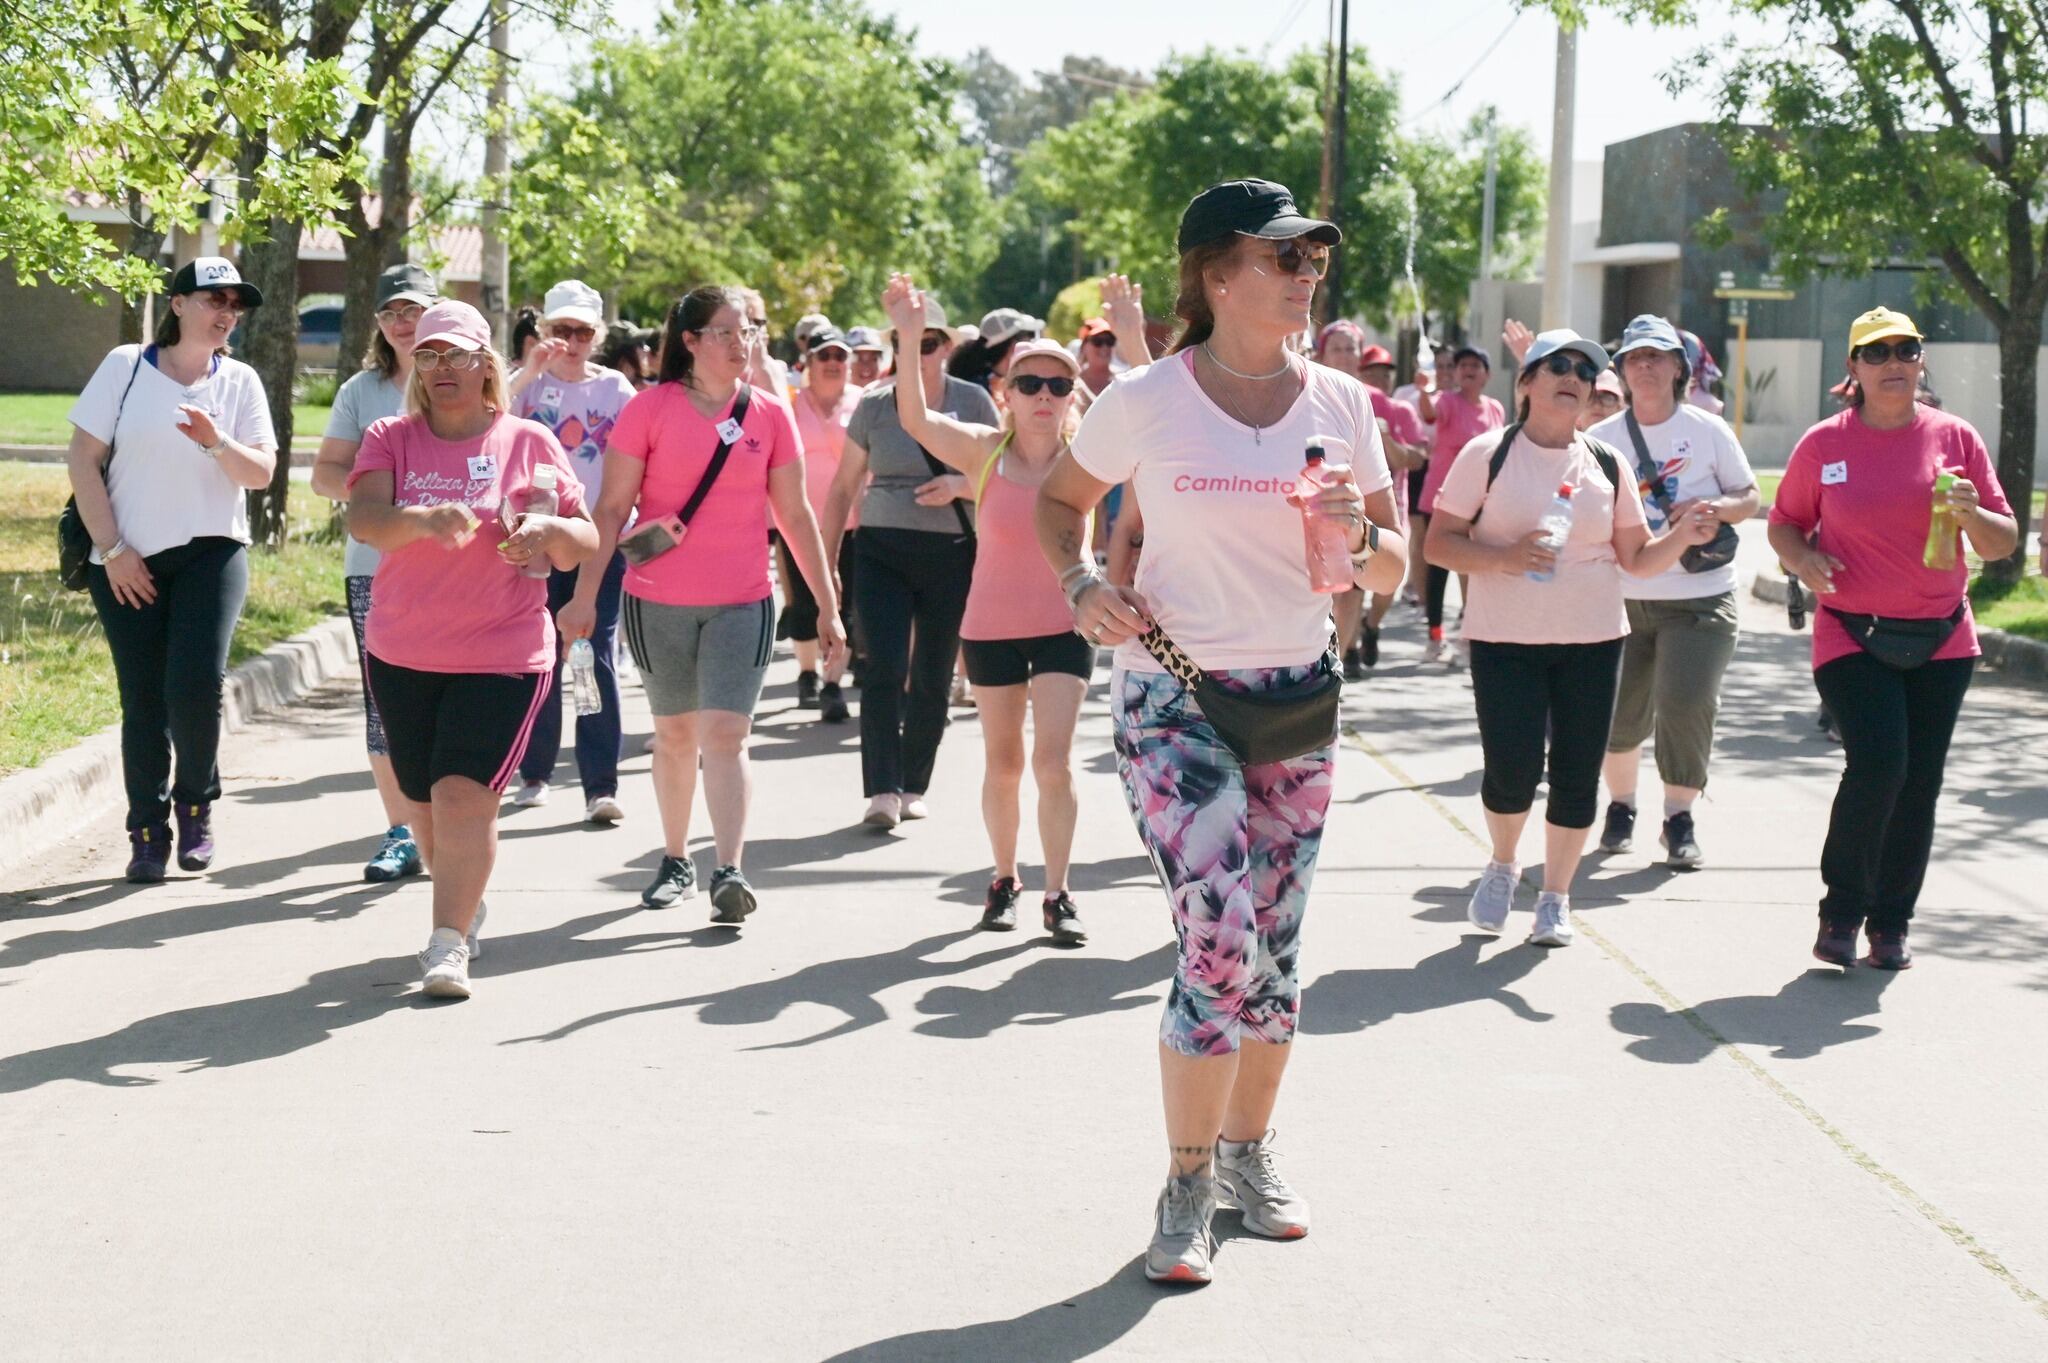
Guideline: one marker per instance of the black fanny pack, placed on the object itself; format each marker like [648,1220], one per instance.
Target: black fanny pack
[1260,726]
[1899,643]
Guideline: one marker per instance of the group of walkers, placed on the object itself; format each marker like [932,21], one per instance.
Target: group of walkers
[926,504]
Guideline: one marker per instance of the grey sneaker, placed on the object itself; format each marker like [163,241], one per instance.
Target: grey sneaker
[446,961]
[1182,1242]
[1553,921]
[1495,897]
[1251,1181]
[732,899]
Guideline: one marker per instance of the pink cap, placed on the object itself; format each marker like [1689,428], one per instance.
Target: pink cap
[1042,350]
[454,321]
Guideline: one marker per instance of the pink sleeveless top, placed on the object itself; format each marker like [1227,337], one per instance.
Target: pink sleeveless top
[1014,594]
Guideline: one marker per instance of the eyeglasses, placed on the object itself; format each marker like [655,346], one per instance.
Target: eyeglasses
[426,361]
[1294,259]
[928,346]
[1030,385]
[746,335]
[572,333]
[221,302]
[391,317]
[834,355]
[1103,339]
[1563,362]
[758,323]
[1884,352]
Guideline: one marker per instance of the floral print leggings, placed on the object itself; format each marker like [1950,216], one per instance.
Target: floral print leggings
[1235,847]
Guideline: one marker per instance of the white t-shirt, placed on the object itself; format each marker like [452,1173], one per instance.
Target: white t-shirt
[165,491]
[1697,455]
[1224,569]
[365,399]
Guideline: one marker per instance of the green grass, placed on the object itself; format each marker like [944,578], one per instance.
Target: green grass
[38,419]
[2021,608]
[56,677]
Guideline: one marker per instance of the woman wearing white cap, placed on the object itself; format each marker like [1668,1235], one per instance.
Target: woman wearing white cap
[461,647]
[166,439]
[985,358]
[376,391]
[1546,619]
[578,400]
[1023,653]
[1682,622]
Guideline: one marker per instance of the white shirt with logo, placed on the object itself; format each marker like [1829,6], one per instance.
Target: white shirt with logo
[1696,455]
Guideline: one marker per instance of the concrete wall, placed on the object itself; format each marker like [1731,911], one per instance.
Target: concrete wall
[1965,376]
[1792,399]
[50,338]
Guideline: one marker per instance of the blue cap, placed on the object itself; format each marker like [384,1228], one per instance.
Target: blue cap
[1548,343]
[1651,332]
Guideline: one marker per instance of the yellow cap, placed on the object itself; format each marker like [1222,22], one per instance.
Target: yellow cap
[1879,324]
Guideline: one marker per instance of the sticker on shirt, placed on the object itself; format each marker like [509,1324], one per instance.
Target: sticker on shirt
[1831,474]
[550,397]
[482,467]
[729,430]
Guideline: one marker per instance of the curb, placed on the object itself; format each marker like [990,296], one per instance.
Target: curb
[84,779]
[2020,660]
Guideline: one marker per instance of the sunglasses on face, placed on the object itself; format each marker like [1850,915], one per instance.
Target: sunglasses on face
[928,346]
[1294,259]
[1563,363]
[391,317]
[833,356]
[570,332]
[1884,352]
[1105,340]
[221,302]
[1030,385]
[428,361]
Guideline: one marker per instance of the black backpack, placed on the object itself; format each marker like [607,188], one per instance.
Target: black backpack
[1603,454]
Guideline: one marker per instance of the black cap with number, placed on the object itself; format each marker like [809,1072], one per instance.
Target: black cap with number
[215,272]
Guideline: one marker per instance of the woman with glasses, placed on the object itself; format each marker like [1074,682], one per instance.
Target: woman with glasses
[915,557]
[699,613]
[461,649]
[371,394]
[579,401]
[188,433]
[1213,436]
[1023,654]
[823,408]
[1546,618]
[1866,521]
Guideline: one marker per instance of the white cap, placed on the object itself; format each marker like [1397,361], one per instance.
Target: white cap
[573,300]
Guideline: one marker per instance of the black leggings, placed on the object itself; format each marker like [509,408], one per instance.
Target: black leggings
[907,578]
[1523,691]
[170,659]
[1895,730]
[1433,595]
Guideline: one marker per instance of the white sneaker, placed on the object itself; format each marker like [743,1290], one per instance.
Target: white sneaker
[446,961]
[1433,651]
[476,925]
[1461,653]
[1553,921]
[603,809]
[962,695]
[884,811]
[1250,1180]
[914,807]
[530,795]
[1494,898]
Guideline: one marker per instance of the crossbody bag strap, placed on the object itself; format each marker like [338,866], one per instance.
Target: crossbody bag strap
[1646,466]
[114,433]
[1170,656]
[740,403]
[941,471]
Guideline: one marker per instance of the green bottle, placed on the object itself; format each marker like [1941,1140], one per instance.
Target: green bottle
[1941,526]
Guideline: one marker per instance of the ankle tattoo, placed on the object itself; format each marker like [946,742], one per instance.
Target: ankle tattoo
[1192,1159]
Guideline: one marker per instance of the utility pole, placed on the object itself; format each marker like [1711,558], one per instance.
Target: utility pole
[1486,206]
[1338,130]
[497,280]
[1557,235]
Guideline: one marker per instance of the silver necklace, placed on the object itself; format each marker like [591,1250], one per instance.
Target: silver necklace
[1286,366]
[1238,412]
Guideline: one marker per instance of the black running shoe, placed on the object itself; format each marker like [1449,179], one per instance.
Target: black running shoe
[832,704]
[1681,848]
[999,910]
[1354,664]
[807,690]
[676,880]
[732,899]
[1063,920]
[1888,950]
[1369,647]
[1836,944]
[1620,833]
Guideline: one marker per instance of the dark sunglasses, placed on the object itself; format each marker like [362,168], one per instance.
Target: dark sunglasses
[1883,352]
[1563,362]
[1102,338]
[572,333]
[1030,385]
[928,346]
[829,355]
[1293,258]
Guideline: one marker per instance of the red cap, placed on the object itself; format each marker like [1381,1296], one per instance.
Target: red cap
[1376,354]
[1095,326]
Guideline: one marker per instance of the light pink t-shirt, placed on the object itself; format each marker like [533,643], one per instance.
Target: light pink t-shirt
[1871,493]
[1014,593]
[723,559]
[1403,420]
[1224,569]
[1458,420]
[463,610]
[822,438]
[1582,604]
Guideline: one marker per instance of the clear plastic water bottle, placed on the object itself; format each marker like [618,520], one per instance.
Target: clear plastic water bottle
[1325,541]
[541,500]
[1556,526]
[583,678]
[1941,527]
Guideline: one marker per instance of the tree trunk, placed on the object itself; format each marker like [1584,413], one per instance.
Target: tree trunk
[271,341]
[362,258]
[2019,351]
[148,243]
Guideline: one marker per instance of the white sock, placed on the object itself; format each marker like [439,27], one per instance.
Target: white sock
[1507,866]
[1672,806]
[1564,901]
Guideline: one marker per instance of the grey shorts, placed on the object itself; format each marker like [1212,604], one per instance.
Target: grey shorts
[700,657]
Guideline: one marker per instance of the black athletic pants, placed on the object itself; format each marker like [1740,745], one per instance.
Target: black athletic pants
[906,579]
[1522,692]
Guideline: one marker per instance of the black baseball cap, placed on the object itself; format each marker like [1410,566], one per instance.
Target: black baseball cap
[407,282]
[215,272]
[828,337]
[1471,352]
[1250,208]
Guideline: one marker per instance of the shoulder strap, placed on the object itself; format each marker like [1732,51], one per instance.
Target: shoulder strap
[981,484]
[940,471]
[1644,464]
[1609,460]
[114,432]
[740,403]
[1496,463]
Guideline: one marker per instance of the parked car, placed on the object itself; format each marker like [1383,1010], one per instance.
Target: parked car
[319,335]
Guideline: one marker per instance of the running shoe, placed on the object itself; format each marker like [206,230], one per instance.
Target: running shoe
[1354,664]
[1888,950]
[195,836]
[732,899]
[1620,833]
[1248,1178]
[962,695]
[603,809]
[530,795]
[807,690]
[1433,651]
[675,879]
[397,856]
[999,907]
[149,853]
[1461,653]
[1553,921]
[1063,920]
[832,704]
[1494,898]
[1369,647]
[1183,1244]
[1682,849]
[914,807]
[446,962]
[1836,944]
[884,811]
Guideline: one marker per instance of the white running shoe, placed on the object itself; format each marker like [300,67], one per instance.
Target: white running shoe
[530,795]
[603,809]
[1553,921]
[1461,654]
[446,961]
[914,807]
[1182,1241]
[1494,898]
[1433,651]
[1250,1180]
[884,811]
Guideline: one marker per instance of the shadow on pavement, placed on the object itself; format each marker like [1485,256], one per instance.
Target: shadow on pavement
[146,932]
[1811,1013]
[287,792]
[1055,989]
[1353,1000]
[1065,1331]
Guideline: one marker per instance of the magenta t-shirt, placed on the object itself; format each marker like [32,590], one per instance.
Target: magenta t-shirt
[1871,495]
[463,610]
[1404,421]
[1458,420]
[723,559]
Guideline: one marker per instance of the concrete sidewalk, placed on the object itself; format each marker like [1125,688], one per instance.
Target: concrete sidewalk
[857,1129]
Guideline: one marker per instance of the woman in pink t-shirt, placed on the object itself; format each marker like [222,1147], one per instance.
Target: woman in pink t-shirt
[1546,619]
[1854,521]
[1459,415]
[822,407]
[461,649]
[1017,635]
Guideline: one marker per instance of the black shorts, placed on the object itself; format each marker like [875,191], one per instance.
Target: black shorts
[468,724]
[1013,662]
[1416,478]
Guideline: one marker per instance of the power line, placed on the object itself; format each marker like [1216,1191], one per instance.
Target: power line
[1471,71]
[1293,17]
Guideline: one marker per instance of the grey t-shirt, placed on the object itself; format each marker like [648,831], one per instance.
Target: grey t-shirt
[897,464]
[367,397]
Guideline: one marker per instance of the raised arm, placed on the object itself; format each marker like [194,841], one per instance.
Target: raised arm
[1123,304]
[963,445]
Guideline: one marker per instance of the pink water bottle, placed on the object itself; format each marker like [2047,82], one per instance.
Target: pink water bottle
[1326,541]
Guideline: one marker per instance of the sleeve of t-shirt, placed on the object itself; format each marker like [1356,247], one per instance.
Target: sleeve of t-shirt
[862,424]
[345,419]
[1731,464]
[1406,423]
[251,418]
[97,405]
[1628,507]
[1103,447]
[1977,467]
[783,446]
[379,451]
[630,432]
[1798,499]
[1464,488]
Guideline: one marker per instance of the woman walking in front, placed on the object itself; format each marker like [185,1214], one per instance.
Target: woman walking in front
[1212,438]
[461,646]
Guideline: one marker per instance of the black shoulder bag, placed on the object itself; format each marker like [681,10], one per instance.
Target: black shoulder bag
[1260,726]
[1717,552]
[1603,454]
[657,537]
[74,541]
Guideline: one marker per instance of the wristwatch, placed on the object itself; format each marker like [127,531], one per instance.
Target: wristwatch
[213,451]
[1368,549]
